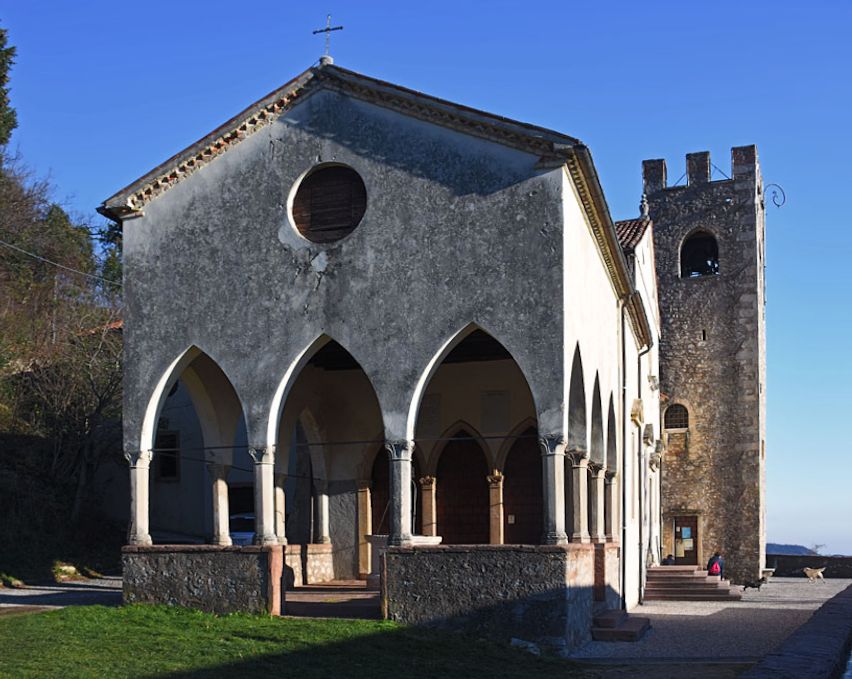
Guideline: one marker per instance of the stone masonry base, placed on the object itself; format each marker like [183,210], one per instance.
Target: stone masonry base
[209,578]
[542,595]
[308,565]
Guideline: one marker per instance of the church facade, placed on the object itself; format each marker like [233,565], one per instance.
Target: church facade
[412,332]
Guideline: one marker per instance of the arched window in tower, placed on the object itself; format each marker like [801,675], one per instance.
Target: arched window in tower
[677,417]
[699,256]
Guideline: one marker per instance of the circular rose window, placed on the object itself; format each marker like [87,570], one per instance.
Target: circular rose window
[329,203]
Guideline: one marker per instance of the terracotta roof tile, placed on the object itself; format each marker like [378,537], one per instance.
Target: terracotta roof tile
[630,232]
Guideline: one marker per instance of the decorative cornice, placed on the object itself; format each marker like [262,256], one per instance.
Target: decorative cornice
[130,201]
[580,169]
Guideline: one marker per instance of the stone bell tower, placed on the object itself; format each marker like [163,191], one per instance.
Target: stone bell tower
[709,238]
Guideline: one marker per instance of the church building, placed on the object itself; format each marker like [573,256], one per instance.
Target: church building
[372,334]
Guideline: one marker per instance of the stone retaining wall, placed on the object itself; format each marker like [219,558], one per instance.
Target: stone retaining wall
[308,564]
[210,578]
[788,565]
[541,595]
[817,650]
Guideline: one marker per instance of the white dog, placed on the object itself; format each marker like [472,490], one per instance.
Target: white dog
[814,574]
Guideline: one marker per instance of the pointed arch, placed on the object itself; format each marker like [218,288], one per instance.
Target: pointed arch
[217,404]
[577,439]
[286,384]
[597,453]
[611,439]
[456,429]
[435,363]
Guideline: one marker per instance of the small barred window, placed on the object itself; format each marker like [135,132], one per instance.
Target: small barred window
[329,204]
[677,417]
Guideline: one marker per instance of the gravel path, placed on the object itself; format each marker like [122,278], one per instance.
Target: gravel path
[725,631]
[104,591]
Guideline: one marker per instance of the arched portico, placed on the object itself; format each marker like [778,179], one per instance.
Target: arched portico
[328,394]
[577,454]
[474,401]
[216,410]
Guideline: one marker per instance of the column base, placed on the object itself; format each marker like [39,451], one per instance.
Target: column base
[399,540]
[266,539]
[558,538]
[579,537]
[142,540]
[324,540]
[222,541]
[282,541]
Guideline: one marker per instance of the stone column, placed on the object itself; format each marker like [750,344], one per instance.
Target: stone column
[264,494]
[427,502]
[140,466]
[553,479]
[580,486]
[321,513]
[400,453]
[365,525]
[495,517]
[221,515]
[611,507]
[596,495]
[280,508]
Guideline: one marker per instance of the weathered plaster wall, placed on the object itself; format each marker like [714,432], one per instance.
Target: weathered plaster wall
[542,595]
[455,228]
[719,475]
[214,579]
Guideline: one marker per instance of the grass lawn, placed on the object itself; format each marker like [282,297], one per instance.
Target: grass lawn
[145,641]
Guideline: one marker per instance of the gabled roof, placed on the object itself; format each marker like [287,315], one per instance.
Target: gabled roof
[553,148]
[630,232]
[548,144]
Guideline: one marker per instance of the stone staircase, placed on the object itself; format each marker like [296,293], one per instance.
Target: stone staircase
[617,625]
[686,583]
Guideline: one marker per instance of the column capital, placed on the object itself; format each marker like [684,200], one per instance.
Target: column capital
[578,457]
[551,444]
[495,478]
[139,458]
[399,451]
[426,482]
[597,469]
[262,454]
[218,471]
[610,475]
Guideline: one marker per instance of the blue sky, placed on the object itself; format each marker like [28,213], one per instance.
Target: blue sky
[107,90]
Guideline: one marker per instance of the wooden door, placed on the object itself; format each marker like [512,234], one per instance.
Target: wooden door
[462,493]
[686,540]
[522,496]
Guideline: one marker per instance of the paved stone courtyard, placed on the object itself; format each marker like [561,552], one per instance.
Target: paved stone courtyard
[725,631]
[103,591]
[700,635]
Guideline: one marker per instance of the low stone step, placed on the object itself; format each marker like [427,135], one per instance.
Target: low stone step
[631,629]
[610,619]
[686,582]
[692,596]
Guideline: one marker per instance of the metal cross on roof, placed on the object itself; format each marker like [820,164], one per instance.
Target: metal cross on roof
[327,30]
